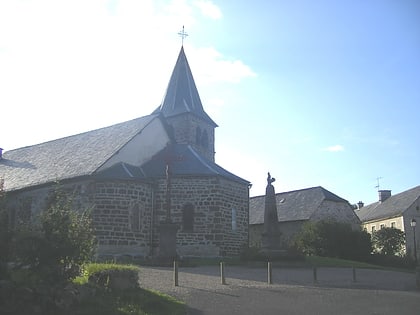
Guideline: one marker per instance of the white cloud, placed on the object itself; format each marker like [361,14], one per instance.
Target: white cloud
[208,9]
[335,148]
[212,66]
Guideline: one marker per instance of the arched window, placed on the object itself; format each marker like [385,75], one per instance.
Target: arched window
[198,136]
[205,139]
[234,222]
[135,217]
[188,218]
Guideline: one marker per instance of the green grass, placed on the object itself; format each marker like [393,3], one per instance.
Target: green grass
[136,301]
[337,262]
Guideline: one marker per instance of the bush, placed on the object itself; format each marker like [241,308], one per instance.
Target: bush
[333,239]
[389,241]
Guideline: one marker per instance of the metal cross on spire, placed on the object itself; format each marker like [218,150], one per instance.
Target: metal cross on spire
[183,34]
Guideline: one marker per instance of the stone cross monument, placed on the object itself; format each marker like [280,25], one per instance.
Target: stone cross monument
[271,243]
[168,229]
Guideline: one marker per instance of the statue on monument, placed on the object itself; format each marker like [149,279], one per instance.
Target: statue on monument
[271,243]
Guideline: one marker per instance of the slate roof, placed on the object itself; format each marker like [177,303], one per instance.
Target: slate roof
[68,157]
[185,161]
[394,206]
[182,95]
[293,205]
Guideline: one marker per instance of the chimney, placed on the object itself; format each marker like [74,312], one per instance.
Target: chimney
[360,204]
[384,195]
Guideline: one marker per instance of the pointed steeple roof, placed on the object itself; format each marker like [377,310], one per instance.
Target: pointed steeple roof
[182,95]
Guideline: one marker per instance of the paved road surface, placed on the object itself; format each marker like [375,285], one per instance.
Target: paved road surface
[293,291]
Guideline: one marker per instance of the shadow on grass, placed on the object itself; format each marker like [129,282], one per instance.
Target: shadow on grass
[134,301]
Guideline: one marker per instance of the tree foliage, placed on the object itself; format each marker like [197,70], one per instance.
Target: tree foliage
[54,249]
[389,241]
[333,239]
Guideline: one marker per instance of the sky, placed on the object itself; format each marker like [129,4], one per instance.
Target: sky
[318,93]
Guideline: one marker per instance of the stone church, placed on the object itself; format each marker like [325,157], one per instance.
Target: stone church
[136,175]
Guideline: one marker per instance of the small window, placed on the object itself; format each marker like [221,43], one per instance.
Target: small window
[393,225]
[373,229]
[382,226]
[135,217]
[198,136]
[234,224]
[205,139]
[188,218]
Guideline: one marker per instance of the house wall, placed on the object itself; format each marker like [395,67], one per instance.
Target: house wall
[377,225]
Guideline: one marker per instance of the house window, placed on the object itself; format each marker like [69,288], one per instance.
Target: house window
[135,217]
[393,225]
[234,225]
[198,136]
[382,226]
[205,139]
[373,229]
[188,218]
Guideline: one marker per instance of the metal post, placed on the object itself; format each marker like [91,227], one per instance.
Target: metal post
[175,273]
[269,273]
[354,274]
[415,246]
[222,273]
[315,273]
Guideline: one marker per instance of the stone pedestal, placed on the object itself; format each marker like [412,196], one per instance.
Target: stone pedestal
[167,242]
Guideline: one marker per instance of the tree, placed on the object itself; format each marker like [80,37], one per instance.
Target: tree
[54,250]
[389,241]
[333,239]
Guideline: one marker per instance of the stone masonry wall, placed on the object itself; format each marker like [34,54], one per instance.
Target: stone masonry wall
[209,197]
[122,217]
[126,212]
[185,128]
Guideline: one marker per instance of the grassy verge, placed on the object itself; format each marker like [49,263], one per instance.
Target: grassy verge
[336,262]
[136,301]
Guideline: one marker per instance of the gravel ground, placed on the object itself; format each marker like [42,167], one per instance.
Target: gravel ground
[293,290]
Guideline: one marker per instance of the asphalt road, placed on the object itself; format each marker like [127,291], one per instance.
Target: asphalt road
[293,290]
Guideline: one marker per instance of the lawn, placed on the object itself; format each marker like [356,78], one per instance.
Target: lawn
[134,302]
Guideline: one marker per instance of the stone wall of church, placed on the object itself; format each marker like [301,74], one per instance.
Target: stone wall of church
[26,205]
[126,212]
[122,217]
[212,200]
[192,130]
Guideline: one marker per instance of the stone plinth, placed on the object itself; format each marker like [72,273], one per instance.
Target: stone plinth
[167,242]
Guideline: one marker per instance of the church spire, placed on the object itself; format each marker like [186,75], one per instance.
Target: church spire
[182,95]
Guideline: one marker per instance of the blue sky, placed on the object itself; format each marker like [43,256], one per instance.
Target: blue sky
[319,93]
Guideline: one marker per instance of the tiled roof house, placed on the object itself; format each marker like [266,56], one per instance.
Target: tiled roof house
[395,211]
[294,208]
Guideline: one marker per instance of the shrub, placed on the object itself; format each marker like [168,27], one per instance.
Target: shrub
[112,276]
[55,249]
[333,239]
[389,241]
